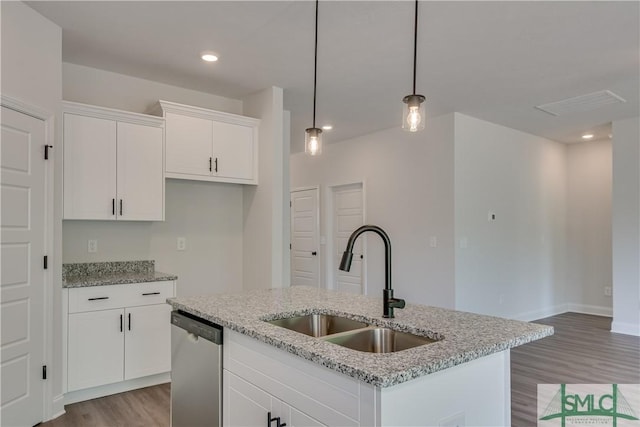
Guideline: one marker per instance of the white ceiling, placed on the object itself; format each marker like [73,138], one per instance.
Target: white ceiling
[491,60]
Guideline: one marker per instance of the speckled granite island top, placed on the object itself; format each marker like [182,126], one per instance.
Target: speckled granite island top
[80,275]
[462,336]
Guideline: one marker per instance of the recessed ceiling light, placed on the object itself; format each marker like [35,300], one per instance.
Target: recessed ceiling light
[327,127]
[587,136]
[209,56]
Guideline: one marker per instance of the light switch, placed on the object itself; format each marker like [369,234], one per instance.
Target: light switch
[464,243]
[433,241]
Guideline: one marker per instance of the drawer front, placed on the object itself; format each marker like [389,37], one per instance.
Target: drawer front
[93,298]
[149,293]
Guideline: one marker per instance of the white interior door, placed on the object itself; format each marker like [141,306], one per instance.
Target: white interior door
[23,184]
[305,264]
[348,209]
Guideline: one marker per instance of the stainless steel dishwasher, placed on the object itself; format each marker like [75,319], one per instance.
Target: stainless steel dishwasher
[196,372]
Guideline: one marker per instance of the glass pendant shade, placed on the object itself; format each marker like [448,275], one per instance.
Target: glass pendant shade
[413,115]
[313,141]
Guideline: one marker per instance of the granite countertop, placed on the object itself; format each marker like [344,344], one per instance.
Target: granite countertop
[111,273]
[463,336]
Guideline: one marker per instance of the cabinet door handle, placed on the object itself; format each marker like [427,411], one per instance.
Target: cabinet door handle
[120,207]
[113,206]
[96,298]
[216,165]
[276,419]
[150,293]
[121,323]
[314,253]
[210,160]
[129,321]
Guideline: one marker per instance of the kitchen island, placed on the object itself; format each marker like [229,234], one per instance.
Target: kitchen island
[462,378]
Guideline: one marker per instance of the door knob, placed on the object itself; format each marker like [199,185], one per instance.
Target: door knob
[314,253]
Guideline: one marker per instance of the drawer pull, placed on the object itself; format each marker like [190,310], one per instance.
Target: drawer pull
[129,321]
[97,298]
[121,323]
[150,293]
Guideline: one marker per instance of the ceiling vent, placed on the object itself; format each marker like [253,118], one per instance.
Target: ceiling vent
[581,103]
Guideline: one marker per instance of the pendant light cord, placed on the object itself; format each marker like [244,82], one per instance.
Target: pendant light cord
[315,68]
[415,46]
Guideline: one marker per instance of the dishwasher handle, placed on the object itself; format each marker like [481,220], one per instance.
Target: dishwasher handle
[201,328]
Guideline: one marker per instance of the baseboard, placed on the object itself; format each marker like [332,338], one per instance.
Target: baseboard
[595,310]
[106,390]
[625,328]
[541,314]
[58,406]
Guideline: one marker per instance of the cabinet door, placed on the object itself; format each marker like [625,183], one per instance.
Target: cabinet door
[188,144]
[140,177]
[296,418]
[96,348]
[89,167]
[244,404]
[147,340]
[234,150]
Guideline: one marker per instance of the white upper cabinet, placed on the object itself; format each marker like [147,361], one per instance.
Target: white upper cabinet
[190,148]
[139,174]
[209,145]
[113,164]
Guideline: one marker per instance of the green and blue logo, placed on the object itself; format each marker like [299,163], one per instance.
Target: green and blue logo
[587,404]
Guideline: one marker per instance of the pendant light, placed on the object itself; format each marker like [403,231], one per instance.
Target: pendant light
[313,135]
[413,116]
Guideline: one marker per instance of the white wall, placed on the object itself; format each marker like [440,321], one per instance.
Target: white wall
[409,193]
[209,215]
[589,174]
[626,226]
[31,73]
[513,266]
[264,213]
[113,90]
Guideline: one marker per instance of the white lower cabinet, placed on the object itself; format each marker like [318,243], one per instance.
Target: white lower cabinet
[259,378]
[117,333]
[247,405]
[96,348]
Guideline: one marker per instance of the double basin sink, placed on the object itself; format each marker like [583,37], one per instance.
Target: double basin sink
[352,333]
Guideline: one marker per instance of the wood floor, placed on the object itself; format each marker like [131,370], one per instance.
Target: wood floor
[145,407]
[581,351]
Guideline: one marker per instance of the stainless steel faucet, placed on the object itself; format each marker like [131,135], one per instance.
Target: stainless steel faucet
[388,301]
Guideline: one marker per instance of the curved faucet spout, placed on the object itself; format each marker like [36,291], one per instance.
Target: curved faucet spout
[389,302]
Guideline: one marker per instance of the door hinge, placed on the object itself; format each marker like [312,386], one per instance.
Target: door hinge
[44,372]
[289,246]
[46,262]
[290,204]
[46,151]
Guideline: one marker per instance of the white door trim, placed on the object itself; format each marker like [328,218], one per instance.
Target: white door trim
[330,248]
[48,118]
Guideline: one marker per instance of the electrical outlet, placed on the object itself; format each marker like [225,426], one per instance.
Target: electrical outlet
[607,291]
[182,244]
[455,420]
[92,246]
[433,241]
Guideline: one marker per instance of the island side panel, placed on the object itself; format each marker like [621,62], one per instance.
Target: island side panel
[476,393]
